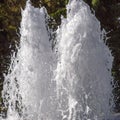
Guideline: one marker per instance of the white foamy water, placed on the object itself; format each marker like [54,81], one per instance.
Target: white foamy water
[84,62]
[76,86]
[27,84]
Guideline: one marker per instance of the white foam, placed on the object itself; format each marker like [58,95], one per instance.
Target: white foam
[83,63]
[29,78]
[79,88]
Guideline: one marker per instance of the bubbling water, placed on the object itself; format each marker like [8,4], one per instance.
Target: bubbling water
[72,84]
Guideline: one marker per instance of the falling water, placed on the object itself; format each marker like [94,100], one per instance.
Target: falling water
[71,84]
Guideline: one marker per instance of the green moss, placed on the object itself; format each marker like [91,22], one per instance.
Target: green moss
[66,2]
[95,3]
[10,27]
[57,15]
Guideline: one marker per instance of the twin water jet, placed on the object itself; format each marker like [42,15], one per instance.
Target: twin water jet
[73,83]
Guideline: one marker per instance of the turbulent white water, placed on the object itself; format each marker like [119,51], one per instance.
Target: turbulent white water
[27,84]
[82,74]
[78,88]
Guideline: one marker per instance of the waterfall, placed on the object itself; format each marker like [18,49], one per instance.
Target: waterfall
[70,83]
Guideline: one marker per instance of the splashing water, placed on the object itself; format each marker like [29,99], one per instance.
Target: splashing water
[82,73]
[27,85]
[79,88]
